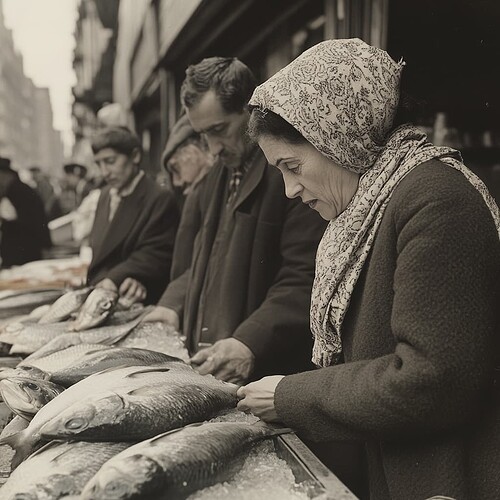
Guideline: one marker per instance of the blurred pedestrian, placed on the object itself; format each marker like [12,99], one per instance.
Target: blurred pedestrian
[75,187]
[46,191]
[23,225]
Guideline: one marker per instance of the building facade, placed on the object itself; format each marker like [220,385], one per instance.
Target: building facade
[27,135]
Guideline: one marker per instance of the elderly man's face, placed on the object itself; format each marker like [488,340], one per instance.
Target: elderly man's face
[117,169]
[187,163]
[224,132]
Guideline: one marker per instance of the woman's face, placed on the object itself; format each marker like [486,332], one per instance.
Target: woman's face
[320,183]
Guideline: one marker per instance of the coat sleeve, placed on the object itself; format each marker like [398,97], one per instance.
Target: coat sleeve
[151,258]
[278,331]
[442,321]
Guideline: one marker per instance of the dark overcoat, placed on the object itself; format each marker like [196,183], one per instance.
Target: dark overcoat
[139,241]
[23,239]
[420,342]
[263,276]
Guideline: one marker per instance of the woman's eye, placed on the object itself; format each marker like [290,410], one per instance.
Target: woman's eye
[295,169]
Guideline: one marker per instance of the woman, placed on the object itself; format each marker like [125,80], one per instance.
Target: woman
[406,285]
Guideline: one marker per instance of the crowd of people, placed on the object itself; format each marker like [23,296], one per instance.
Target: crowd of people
[314,248]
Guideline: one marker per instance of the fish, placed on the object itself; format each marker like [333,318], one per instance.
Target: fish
[147,401]
[41,338]
[64,306]
[175,464]
[58,470]
[25,396]
[23,302]
[94,361]
[96,309]
[24,371]
[113,379]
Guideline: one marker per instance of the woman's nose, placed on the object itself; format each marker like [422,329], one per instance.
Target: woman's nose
[292,188]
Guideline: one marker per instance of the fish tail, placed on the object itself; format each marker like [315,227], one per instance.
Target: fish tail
[22,447]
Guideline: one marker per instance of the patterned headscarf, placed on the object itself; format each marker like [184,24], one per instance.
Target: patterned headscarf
[342,96]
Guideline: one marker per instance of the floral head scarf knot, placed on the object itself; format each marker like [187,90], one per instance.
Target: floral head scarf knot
[341,95]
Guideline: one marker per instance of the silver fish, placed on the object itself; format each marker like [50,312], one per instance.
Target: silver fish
[175,464]
[24,371]
[149,400]
[25,396]
[23,302]
[95,310]
[92,387]
[64,306]
[58,470]
[33,337]
[94,361]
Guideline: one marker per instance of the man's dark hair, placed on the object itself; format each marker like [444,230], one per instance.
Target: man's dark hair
[120,139]
[267,123]
[230,79]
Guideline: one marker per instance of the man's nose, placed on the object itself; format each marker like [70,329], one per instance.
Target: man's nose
[214,146]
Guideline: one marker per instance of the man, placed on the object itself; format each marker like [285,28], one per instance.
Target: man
[75,188]
[244,300]
[46,192]
[23,226]
[133,234]
[185,158]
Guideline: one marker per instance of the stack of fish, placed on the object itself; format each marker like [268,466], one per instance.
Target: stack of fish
[106,421]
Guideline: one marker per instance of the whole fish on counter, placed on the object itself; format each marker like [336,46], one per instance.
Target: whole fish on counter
[25,396]
[48,338]
[75,363]
[111,381]
[66,305]
[58,470]
[148,401]
[23,302]
[96,309]
[177,463]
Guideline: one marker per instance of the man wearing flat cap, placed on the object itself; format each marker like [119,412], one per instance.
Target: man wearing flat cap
[76,187]
[23,225]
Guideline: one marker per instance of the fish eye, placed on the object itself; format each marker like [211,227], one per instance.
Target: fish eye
[115,488]
[106,305]
[32,386]
[75,423]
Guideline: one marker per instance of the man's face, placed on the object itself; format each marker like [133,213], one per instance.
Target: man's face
[117,169]
[224,132]
[186,164]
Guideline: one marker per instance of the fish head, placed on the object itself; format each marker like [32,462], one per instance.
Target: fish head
[123,477]
[86,420]
[98,306]
[25,396]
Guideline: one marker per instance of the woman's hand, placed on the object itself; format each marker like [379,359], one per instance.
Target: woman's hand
[258,398]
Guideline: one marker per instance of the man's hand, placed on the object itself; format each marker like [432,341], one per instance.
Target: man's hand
[132,290]
[258,398]
[164,315]
[107,284]
[228,359]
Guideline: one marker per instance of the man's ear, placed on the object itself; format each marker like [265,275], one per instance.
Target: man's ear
[136,156]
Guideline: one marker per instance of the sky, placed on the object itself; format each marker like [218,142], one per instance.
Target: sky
[43,33]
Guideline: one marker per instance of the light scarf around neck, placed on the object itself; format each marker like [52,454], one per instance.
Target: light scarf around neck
[342,96]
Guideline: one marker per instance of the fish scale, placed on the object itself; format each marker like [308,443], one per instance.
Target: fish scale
[64,306]
[173,465]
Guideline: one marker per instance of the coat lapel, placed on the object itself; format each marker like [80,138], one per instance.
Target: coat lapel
[118,229]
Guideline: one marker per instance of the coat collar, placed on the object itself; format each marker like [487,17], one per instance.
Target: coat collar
[119,227]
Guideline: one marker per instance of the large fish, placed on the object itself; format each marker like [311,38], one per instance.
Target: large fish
[175,464]
[25,396]
[58,470]
[23,302]
[75,363]
[64,306]
[118,379]
[150,400]
[48,338]
[96,309]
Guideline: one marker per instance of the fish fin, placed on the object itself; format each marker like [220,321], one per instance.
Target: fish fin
[149,369]
[274,429]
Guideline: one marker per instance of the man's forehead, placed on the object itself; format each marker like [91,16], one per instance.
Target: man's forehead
[207,113]
[106,153]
